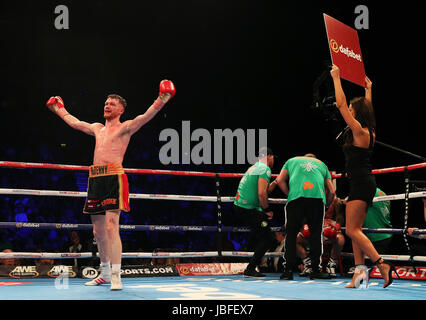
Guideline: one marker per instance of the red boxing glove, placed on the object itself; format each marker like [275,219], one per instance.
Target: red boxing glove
[55,103]
[167,91]
[306,232]
[330,232]
[166,86]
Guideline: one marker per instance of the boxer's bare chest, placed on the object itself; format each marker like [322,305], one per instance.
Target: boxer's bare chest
[111,144]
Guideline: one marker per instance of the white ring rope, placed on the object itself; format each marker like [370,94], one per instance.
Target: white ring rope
[159,255]
[57,193]
[392,257]
[156,255]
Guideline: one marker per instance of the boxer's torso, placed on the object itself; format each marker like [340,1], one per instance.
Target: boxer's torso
[111,144]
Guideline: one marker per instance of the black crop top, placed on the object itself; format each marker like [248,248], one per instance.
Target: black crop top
[358,160]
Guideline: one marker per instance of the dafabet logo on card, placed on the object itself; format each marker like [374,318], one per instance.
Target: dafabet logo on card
[334,46]
[348,52]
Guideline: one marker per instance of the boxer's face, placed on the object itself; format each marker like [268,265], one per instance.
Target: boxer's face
[112,108]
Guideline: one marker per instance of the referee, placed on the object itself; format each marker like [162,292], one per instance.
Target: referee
[252,208]
[307,179]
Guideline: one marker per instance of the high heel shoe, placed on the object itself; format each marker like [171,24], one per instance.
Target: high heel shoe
[360,277]
[380,264]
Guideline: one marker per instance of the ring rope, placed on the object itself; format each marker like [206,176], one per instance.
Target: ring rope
[59,193]
[159,255]
[12,164]
[82,255]
[405,258]
[401,196]
[170,228]
[156,255]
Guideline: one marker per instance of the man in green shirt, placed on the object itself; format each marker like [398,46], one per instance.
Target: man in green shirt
[378,217]
[305,181]
[252,207]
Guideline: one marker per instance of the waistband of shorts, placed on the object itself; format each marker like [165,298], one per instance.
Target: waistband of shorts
[105,169]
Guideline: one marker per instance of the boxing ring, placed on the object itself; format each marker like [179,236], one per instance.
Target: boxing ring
[197,281]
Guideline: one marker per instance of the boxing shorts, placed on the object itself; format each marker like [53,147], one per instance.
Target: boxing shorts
[108,189]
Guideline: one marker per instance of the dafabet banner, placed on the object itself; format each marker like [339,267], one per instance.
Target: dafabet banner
[345,50]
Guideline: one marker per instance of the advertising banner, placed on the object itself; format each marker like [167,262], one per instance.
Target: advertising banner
[33,271]
[209,269]
[135,271]
[345,50]
[403,272]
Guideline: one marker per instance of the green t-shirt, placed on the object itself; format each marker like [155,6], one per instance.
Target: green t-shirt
[247,193]
[306,178]
[378,217]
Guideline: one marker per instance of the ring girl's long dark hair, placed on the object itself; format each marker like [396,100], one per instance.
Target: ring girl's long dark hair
[364,113]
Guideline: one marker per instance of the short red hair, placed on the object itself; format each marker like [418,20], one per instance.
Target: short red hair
[122,101]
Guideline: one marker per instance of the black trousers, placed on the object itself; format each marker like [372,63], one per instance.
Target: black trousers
[311,211]
[261,237]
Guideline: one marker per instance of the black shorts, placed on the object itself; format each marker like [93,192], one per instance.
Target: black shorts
[363,188]
[108,189]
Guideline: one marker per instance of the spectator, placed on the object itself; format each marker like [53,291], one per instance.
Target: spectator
[20,214]
[75,246]
[9,261]
[5,236]
[44,261]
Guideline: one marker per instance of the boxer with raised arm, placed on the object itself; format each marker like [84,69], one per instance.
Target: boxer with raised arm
[108,190]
